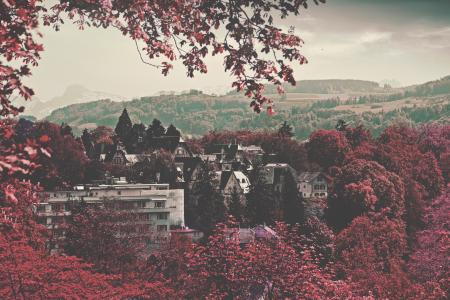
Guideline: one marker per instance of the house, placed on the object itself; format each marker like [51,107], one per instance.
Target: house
[173,144]
[276,175]
[312,184]
[121,157]
[188,168]
[230,157]
[233,181]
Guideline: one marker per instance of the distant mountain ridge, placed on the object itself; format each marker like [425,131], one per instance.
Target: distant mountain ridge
[329,86]
[74,94]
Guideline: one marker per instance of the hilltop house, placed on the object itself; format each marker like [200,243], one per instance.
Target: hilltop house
[312,184]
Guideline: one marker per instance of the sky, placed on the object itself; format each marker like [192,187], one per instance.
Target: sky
[406,41]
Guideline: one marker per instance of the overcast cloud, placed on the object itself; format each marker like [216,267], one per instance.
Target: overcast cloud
[405,40]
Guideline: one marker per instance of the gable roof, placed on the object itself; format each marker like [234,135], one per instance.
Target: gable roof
[229,150]
[189,165]
[308,176]
[224,177]
[169,143]
[244,183]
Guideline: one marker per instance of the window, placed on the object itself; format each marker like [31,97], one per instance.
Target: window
[140,204]
[161,216]
[57,207]
[243,180]
[316,194]
[161,228]
[119,193]
[322,194]
[160,204]
[144,217]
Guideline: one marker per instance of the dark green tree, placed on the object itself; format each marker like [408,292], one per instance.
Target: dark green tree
[210,206]
[155,129]
[137,138]
[172,131]
[341,125]
[66,129]
[285,130]
[236,207]
[292,205]
[88,144]
[124,128]
[261,201]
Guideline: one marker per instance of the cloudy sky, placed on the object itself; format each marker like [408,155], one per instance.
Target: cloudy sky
[403,40]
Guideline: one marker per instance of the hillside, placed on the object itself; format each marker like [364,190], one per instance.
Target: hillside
[73,94]
[330,86]
[196,113]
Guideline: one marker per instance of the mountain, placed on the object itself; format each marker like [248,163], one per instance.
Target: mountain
[73,94]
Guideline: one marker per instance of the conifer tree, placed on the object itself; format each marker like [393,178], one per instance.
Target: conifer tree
[210,203]
[285,130]
[87,143]
[261,203]
[172,131]
[293,210]
[137,137]
[236,207]
[156,129]
[124,127]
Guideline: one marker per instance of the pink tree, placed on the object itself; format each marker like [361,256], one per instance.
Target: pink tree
[254,49]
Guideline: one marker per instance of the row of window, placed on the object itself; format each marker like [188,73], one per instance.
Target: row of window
[60,207]
[319,187]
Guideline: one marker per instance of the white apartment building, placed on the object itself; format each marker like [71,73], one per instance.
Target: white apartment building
[159,208]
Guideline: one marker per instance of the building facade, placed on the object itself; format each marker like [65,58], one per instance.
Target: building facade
[158,208]
[312,185]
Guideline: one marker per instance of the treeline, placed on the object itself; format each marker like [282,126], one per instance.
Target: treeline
[195,115]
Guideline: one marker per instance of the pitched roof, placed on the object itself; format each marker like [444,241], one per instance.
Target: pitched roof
[189,165]
[229,150]
[308,176]
[244,183]
[224,177]
[169,143]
